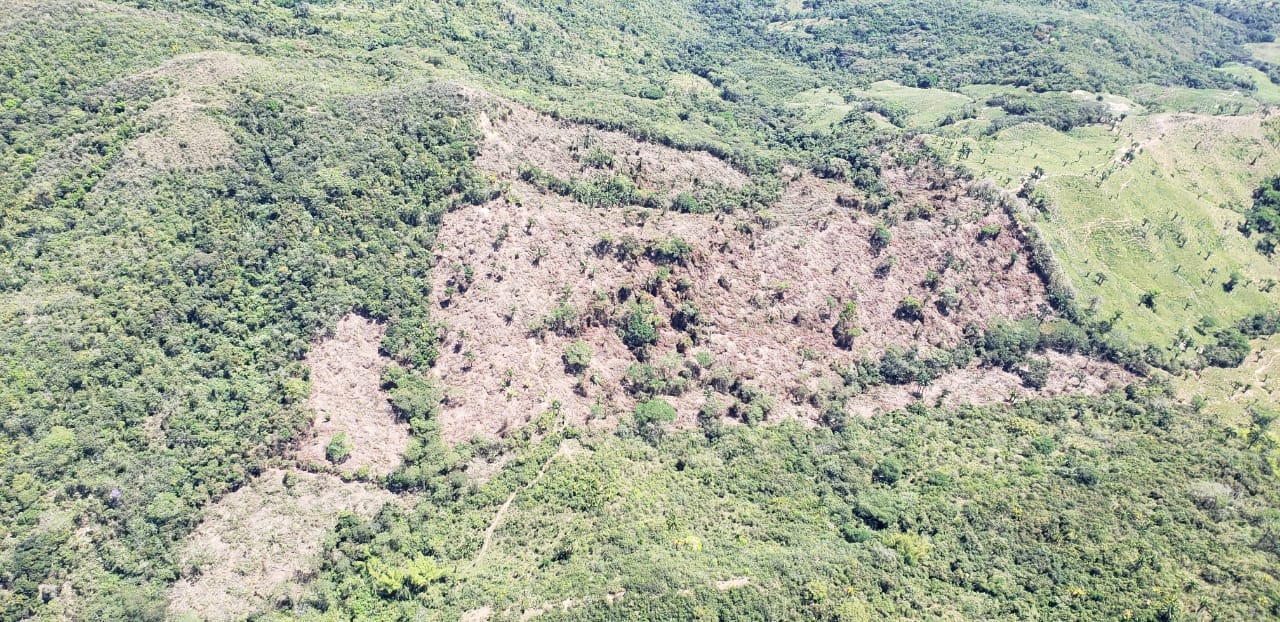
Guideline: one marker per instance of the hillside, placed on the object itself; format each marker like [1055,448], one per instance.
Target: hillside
[661,310]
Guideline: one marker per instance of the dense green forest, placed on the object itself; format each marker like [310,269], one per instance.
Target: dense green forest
[193,192]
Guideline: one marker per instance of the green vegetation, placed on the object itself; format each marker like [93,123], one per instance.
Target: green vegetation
[1263,218]
[638,328]
[338,449]
[192,193]
[915,513]
[577,356]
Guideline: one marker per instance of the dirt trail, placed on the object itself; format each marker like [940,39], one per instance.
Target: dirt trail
[563,449]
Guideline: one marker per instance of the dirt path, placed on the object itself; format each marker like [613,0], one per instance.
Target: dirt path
[497,517]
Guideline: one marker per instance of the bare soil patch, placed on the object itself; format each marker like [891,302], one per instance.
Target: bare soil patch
[515,136]
[258,544]
[346,394]
[768,287]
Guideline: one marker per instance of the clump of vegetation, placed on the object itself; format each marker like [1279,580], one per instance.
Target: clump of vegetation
[577,357]
[339,448]
[688,204]
[638,327]
[1263,217]
[880,237]
[651,415]
[910,309]
[687,317]
[846,328]
[1006,344]
[670,250]
[563,320]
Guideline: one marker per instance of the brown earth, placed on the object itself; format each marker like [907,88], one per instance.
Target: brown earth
[258,544]
[770,286]
[516,136]
[346,394]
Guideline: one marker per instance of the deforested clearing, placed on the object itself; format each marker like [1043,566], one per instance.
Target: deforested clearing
[743,306]
[346,395]
[256,546]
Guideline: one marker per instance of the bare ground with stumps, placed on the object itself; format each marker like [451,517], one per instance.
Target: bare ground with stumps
[514,136]
[258,545]
[770,287]
[347,397]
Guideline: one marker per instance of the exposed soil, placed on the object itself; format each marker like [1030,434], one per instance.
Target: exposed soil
[515,136]
[346,394]
[769,288]
[257,545]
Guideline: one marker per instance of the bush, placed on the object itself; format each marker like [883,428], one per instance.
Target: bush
[910,309]
[687,203]
[577,357]
[338,449]
[846,328]
[881,237]
[651,415]
[1005,344]
[1035,374]
[639,328]
[1230,350]
[687,318]
[671,250]
[888,471]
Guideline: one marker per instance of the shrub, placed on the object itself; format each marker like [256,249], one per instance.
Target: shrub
[1148,298]
[910,309]
[639,327]
[949,302]
[888,471]
[628,248]
[1005,344]
[881,237]
[846,328]
[989,232]
[687,203]
[338,449]
[577,357]
[563,320]
[1230,350]
[671,250]
[687,318]
[1035,374]
[651,415]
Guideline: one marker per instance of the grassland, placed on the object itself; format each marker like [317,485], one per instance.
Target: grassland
[1148,205]
[1228,394]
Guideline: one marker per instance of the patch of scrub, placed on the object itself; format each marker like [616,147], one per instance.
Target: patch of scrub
[258,544]
[183,135]
[351,408]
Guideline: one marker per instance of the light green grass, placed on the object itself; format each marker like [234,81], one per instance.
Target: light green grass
[1155,223]
[927,106]
[821,107]
[1205,101]
[1267,92]
[1266,52]
[1228,393]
